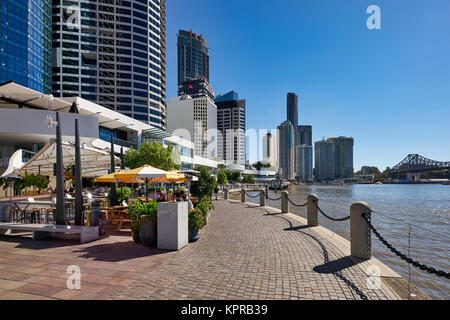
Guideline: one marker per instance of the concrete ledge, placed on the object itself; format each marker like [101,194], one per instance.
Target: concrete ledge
[44,231]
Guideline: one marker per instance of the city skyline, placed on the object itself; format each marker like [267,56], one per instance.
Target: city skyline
[338,67]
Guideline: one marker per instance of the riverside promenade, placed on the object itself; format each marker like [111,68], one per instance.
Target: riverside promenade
[244,252]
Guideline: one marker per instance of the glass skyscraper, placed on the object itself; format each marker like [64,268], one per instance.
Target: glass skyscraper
[25,43]
[286,150]
[112,52]
[193,57]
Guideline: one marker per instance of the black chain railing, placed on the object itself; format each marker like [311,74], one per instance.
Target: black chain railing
[402,256]
[235,192]
[276,199]
[295,204]
[250,196]
[327,216]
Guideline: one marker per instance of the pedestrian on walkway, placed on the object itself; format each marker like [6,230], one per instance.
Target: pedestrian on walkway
[216,192]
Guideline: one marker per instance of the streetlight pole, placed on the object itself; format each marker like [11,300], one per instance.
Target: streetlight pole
[60,203]
[112,193]
[78,182]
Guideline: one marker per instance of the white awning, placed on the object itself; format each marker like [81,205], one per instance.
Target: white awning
[94,162]
[15,95]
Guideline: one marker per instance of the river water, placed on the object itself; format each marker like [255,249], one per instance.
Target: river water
[397,208]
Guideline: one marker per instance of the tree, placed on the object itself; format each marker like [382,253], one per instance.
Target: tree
[204,187]
[248,178]
[152,153]
[221,166]
[258,165]
[222,178]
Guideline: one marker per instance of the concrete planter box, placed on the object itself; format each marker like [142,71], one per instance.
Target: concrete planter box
[172,225]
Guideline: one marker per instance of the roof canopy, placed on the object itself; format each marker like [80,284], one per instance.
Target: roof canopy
[94,162]
[14,95]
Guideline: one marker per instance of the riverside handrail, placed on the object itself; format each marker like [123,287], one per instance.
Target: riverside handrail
[360,226]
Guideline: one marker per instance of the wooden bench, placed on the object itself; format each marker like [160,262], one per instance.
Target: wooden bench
[43,231]
[119,217]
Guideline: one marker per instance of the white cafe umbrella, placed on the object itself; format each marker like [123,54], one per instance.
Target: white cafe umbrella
[149,172]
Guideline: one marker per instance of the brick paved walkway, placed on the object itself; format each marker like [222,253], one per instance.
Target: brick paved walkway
[245,252]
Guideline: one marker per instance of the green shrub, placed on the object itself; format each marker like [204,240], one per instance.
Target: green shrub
[196,219]
[140,212]
[205,205]
[123,193]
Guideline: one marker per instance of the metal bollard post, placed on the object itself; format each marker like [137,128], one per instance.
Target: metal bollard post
[262,198]
[225,193]
[243,196]
[360,235]
[311,210]
[284,202]
[267,190]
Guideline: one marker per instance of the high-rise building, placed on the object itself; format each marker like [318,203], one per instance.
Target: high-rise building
[286,149]
[304,135]
[25,43]
[231,128]
[304,162]
[112,53]
[270,149]
[197,88]
[232,95]
[292,111]
[194,119]
[343,157]
[324,160]
[193,57]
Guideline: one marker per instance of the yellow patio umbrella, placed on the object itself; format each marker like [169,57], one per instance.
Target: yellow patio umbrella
[111,177]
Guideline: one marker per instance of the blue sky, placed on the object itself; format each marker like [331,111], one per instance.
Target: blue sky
[389,89]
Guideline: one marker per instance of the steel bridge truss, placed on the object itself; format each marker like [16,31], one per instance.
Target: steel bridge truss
[417,163]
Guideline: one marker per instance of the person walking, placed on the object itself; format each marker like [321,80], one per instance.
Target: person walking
[216,192]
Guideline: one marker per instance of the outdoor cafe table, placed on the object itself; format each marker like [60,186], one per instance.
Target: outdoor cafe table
[48,205]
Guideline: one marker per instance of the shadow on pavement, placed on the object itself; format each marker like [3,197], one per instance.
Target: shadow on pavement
[337,265]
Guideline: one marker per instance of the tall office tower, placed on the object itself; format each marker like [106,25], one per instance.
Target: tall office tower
[292,111]
[343,157]
[304,162]
[193,57]
[286,149]
[304,135]
[25,43]
[112,53]
[197,88]
[324,160]
[270,149]
[194,119]
[231,128]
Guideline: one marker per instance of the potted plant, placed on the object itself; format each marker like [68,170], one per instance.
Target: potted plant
[143,222]
[205,205]
[196,222]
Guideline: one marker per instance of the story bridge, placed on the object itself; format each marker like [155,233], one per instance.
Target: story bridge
[414,164]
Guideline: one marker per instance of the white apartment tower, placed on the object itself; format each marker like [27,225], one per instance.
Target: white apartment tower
[270,149]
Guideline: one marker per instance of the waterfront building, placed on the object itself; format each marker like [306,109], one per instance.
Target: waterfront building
[324,160]
[193,57]
[304,135]
[343,157]
[286,150]
[304,162]
[25,43]
[112,53]
[195,119]
[24,128]
[231,142]
[270,149]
